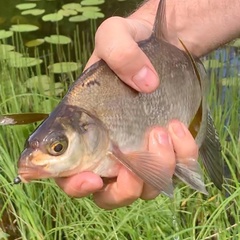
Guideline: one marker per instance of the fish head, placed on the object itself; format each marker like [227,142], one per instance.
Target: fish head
[63,145]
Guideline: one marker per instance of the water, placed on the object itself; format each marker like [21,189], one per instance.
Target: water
[10,15]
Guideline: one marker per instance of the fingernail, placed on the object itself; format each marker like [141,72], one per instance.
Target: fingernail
[178,129]
[146,79]
[162,138]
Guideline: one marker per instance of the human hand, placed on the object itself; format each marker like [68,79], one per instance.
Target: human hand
[116,43]
[169,143]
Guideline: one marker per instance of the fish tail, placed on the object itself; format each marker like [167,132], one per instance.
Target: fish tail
[191,174]
[210,152]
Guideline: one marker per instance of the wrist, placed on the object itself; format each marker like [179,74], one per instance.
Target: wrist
[203,26]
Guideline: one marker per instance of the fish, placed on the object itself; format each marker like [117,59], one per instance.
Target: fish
[101,122]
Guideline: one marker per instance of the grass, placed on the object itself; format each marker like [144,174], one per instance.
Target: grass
[40,210]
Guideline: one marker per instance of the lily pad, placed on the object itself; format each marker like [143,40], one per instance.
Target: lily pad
[92,2]
[64,67]
[35,81]
[24,28]
[25,62]
[235,43]
[67,12]
[230,81]
[71,6]
[5,51]
[35,42]
[78,18]
[52,17]
[44,82]
[6,48]
[24,6]
[5,34]
[58,39]
[212,63]
[12,55]
[58,89]
[34,12]
[89,9]
[93,15]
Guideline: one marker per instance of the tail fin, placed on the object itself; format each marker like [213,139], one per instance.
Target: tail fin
[191,175]
[210,152]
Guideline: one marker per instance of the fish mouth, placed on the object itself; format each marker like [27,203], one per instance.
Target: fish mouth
[28,172]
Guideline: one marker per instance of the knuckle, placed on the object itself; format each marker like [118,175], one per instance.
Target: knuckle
[119,58]
[117,50]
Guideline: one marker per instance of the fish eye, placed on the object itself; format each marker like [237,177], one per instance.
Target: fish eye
[57,147]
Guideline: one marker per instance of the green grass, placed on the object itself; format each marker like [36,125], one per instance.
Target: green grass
[40,210]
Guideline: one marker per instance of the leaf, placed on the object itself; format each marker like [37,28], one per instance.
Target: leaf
[58,39]
[71,6]
[92,2]
[24,6]
[64,67]
[34,12]
[230,81]
[6,51]
[93,15]
[78,18]
[34,82]
[52,17]
[212,63]
[89,9]
[235,43]
[58,89]
[5,34]
[6,48]
[44,83]
[67,12]
[35,42]
[24,28]
[25,62]
[11,56]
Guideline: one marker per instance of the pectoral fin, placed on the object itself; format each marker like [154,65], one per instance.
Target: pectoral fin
[148,167]
[211,155]
[191,175]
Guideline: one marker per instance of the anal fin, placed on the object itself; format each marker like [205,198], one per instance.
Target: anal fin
[191,175]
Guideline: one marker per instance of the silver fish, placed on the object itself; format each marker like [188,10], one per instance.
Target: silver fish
[101,122]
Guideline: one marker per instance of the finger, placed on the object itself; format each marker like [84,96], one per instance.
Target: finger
[183,142]
[118,48]
[160,143]
[80,185]
[123,192]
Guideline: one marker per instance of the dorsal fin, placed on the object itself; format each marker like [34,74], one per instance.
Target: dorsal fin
[160,25]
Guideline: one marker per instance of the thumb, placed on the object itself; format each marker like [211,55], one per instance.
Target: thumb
[116,44]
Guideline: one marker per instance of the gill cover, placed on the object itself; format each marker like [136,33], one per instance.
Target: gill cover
[65,143]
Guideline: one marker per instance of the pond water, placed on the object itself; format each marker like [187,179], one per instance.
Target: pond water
[11,14]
